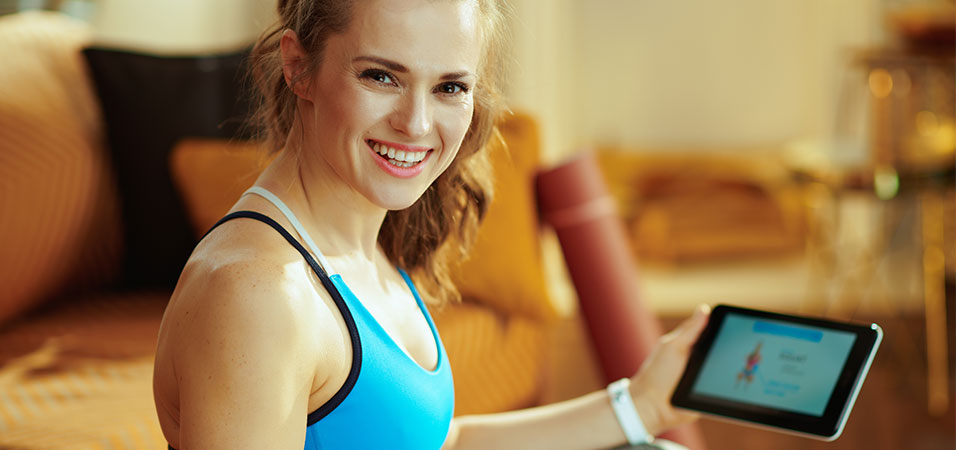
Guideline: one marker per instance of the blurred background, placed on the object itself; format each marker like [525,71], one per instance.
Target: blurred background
[796,156]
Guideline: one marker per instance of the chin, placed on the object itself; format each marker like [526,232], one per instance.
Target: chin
[396,201]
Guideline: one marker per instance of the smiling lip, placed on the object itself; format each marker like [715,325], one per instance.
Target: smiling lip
[399,172]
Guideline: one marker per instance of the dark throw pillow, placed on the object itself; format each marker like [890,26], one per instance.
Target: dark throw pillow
[149,103]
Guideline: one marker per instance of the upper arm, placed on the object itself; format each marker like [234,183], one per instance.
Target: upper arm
[240,362]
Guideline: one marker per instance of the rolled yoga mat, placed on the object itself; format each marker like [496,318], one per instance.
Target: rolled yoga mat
[573,198]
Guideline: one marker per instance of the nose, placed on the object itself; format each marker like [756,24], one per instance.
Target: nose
[412,116]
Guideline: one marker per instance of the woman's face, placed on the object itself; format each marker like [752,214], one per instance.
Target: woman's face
[393,97]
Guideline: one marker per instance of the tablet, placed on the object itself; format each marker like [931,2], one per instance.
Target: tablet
[794,374]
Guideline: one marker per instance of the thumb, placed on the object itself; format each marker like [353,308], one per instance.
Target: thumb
[688,331]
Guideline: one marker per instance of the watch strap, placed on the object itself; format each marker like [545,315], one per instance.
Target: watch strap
[627,416]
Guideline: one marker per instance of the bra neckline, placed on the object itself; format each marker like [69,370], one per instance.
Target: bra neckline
[439,360]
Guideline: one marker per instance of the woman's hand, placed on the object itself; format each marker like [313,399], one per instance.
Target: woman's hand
[654,383]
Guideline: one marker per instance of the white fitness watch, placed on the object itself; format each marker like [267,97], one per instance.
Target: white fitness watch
[626,412]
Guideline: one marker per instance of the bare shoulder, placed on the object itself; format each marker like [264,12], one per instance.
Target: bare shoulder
[243,278]
[247,335]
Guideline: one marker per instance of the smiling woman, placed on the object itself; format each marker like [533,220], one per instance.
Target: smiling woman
[378,111]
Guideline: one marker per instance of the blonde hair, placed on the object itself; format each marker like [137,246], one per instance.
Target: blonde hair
[440,227]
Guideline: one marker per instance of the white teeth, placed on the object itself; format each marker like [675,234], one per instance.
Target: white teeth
[414,157]
[398,158]
[410,156]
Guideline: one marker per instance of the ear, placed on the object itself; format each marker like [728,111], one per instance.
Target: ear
[294,59]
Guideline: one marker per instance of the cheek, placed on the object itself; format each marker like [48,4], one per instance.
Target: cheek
[347,108]
[455,126]
[457,123]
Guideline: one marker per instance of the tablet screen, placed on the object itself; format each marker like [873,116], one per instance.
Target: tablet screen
[775,364]
[791,373]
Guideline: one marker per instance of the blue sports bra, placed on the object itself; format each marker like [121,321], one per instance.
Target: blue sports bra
[388,400]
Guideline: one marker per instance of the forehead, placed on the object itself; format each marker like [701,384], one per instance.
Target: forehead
[424,35]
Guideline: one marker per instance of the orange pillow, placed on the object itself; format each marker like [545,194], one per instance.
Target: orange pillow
[211,174]
[505,269]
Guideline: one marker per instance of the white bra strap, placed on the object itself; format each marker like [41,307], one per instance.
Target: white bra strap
[264,193]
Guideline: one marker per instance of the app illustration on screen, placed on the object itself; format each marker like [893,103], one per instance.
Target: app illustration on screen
[774,364]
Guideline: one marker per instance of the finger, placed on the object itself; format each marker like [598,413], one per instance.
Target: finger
[688,331]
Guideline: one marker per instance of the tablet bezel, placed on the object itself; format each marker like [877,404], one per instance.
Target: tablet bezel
[829,425]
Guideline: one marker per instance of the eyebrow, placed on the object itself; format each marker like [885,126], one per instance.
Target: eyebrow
[396,67]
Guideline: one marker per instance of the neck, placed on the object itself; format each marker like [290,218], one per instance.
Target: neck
[343,223]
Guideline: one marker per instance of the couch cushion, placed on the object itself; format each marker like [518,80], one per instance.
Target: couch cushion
[149,103]
[79,375]
[504,269]
[497,360]
[211,174]
[54,190]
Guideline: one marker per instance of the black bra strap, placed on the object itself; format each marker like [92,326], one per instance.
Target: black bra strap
[339,396]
